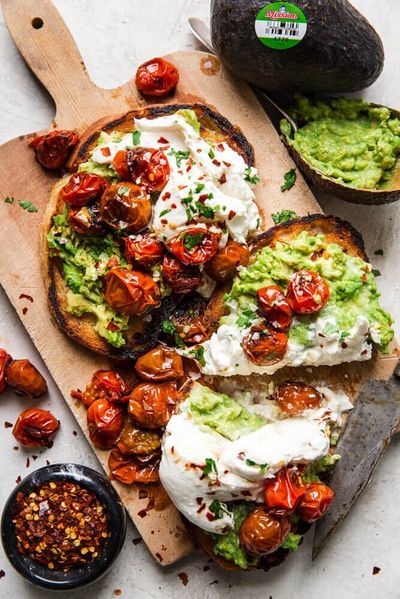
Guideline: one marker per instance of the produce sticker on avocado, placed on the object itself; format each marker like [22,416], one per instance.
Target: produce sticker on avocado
[280,25]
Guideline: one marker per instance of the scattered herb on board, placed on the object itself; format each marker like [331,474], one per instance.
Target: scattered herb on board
[62,515]
[28,206]
[289,180]
[9,200]
[283,216]
[376,272]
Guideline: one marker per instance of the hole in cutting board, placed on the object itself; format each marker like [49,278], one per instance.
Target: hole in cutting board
[37,23]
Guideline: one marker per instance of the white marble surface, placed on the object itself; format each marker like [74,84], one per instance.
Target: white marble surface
[113,37]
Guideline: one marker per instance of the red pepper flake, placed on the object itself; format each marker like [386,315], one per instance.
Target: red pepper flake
[143,494]
[117,592]
[27,463]
[184,578]
[221,147]
[24,310]
[180,171]
[213,582]
[180,187]
[201,508]
[203,197]
[210,516]
[228,164]
[364,278]
[112,262]
[164,221]
[159,557]
[375,570]
[48,463]
[35,457]
[142,513]
[105,151]
[216,162]
[173,206]
[18,480]
[112,327]
[74,433]
[2,573]
[15,448]
[137,540]
[222,179]
[25,296]
[8,424]
[63,515]
[162,140]
[199,500]
[199,150]
[166,196]
[231,214]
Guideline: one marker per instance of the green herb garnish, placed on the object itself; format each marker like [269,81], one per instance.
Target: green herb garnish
[9,200]
[191,241]
[210,466]
[250,176]
[169,327]
[204,210]
[164,212]
[211,153]
[376,272]
[136,138]
[329,329]
[343,336]
[123,190]
[179,155]
[283,216]
[199,355]
[246,318]
[292,541]
[289,180]
[28,206]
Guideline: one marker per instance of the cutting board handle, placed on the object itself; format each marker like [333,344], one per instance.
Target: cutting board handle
[44,41]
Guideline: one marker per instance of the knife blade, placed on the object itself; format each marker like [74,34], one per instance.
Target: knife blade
[370,426]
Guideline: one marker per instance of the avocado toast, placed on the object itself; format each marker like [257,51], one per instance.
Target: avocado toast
[202,167]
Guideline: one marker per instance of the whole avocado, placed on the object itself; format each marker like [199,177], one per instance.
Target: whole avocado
[340,52]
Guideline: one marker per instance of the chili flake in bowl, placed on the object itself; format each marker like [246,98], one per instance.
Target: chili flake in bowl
[63,526]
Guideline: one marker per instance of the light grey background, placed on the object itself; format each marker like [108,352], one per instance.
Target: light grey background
[114,37]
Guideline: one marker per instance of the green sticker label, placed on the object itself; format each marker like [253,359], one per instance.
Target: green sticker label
[280,25]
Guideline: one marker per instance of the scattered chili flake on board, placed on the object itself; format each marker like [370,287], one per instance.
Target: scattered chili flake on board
[118,592]
[24,310]
[18,480]
[60,525]
[137,540]
[8,424]
[184,578]
[375,570]
[26,296]
[2,573]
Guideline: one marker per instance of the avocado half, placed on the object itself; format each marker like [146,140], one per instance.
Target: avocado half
[340,51]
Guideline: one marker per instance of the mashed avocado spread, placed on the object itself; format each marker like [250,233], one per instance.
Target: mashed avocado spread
[350,279]
[346,139]
[85,260]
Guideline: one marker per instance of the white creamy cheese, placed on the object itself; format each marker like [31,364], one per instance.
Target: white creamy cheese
[224,355]
[284,440]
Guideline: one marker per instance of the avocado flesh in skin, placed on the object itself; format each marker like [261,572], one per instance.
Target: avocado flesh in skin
[340,52]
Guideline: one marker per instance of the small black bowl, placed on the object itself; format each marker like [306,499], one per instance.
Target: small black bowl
[78,576]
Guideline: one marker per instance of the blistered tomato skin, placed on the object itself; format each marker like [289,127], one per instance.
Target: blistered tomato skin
[143,250]
[134,468]
[53,149]
[262,533]
[274,307]
[195,245]
[85,220]
[82,189]
[149,168]
[283,492]
[151,405]
[293,397]
[223,266]
[264,346]
[105,422]
[25,379]
[160,364]
[156,77]
[126,207]
[315,502]
[135,441]
[307,292]
[105,384]
[5,359]
[120,165]
[181,278]
[131,292]
[35,428]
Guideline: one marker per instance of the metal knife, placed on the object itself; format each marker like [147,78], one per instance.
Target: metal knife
[370,426]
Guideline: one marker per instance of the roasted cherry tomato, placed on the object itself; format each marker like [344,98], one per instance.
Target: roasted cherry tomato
[52,150]
[223,266]
[25,378]
[82,188]
[264,346]
[151,405]
[274,307]
[159,364]
[181,278]
[5,359]
[294,397]
[143,250]
[86,220]
[315,502]
[134,468]
[262,532]
[194,245]
[156,77]
[126,207]
[307,292]
[105,384]
[120,164]
[148,168]
[283,492]
[105,422]
[130,291]
[134,440]
[35,428]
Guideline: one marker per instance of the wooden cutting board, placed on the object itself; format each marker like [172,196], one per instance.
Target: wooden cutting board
[48,48]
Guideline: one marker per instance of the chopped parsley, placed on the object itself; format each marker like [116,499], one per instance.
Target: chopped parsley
[283,216]
[211,153]
[136,138]
[376,272]
[343,336]
[123,190]
[262,467]
[217,508]
[191,241]
[289,180]
[250,176]
[245,320]
[9,200]
[199,187]
[164,212]
[292,541]
[179,156]
[210,466]
[204,210]
[329,329]
[199,355]
[28,206]
[169,327]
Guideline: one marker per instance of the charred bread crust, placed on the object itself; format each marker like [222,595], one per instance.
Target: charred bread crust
[81,329]
[206,115]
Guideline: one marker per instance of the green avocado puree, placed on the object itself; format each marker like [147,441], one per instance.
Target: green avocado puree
[85,261]
[352,286]
[346,139]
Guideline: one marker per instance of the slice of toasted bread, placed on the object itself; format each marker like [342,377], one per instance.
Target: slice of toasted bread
[141,337]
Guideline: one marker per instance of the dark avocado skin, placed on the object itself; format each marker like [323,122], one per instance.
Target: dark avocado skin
[341,51]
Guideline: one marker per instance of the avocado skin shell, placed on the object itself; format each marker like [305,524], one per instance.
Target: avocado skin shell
[341,51]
